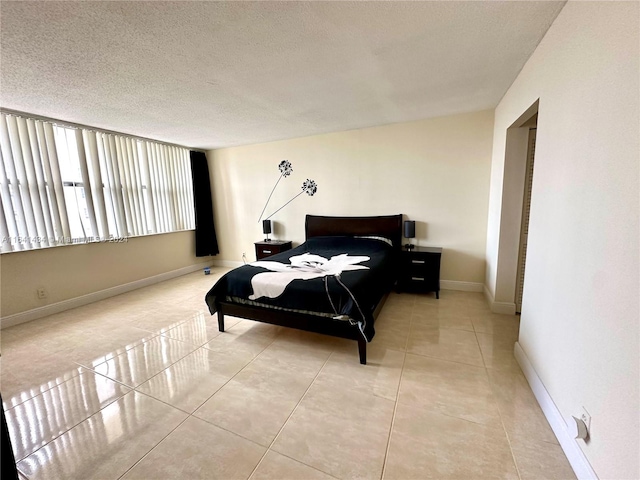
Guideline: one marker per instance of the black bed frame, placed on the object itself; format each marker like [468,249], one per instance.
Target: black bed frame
[316,226]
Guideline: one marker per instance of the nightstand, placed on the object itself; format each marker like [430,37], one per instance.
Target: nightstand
[420,270]
[266,249]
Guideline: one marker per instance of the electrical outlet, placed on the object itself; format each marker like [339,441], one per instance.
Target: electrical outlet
[586,418]
[42,293]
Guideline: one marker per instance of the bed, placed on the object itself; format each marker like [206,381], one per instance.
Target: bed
[335,283]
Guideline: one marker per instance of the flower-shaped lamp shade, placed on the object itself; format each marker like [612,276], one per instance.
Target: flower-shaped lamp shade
[309,187]
[285,168]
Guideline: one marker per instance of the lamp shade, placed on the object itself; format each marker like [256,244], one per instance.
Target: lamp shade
[266,226]
[409,229]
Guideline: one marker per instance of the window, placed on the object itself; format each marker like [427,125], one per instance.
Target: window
[61,185]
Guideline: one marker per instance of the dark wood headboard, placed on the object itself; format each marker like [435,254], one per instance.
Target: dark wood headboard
[389,226]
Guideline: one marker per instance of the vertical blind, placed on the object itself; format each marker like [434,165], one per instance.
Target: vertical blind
[61,185]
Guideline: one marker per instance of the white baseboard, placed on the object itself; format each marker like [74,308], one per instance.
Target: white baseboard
[58,307]
[488,295]
[572,450]
[461,286]
[504,308]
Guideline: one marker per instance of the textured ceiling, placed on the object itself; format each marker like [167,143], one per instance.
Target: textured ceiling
[215,74]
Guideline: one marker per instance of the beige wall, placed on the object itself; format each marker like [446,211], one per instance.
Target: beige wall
[434,171]
[580,316]
[72,271]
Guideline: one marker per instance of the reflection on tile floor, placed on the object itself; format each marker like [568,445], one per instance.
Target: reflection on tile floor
[143,385]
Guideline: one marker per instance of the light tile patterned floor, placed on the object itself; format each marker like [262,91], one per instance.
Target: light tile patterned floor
[143,386]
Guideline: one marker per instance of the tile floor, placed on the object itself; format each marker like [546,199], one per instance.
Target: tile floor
[143,386]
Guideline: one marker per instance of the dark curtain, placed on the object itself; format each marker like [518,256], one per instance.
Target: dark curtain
[206,241]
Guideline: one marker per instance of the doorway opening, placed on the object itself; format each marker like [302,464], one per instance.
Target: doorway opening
[526,208]
[510,288]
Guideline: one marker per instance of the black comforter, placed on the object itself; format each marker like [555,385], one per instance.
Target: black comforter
[322,275]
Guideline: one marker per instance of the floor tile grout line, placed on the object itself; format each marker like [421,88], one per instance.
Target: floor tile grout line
[446,360]
[161,371]
[92,369]
[484,368]
[195,350]
[393,420]
[252,360]
[448,415]
[87,369]
[398,399]
[44,391]
[236,434]
[192,414]
[224,428]
[301,463]
[484,361]
[162,401]
[506,433]
[68,430]
[500,415]
[156,445]
[232,377]
[289,417]
[20,472]
[123,353]
[131,390]
[72,427]
[155,332]
[131,346]
[395,405]
[513,455]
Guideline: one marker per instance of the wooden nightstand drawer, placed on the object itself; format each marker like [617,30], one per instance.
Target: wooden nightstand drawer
[420,270]
[417,279]
[416,265]
[266,249]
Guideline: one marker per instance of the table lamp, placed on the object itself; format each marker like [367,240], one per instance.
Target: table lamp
[409,232]
[266,229]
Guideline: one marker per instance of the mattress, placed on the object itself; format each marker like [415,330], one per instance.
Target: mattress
[340,278]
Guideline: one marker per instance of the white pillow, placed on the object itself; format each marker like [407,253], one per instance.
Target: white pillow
[373,237]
